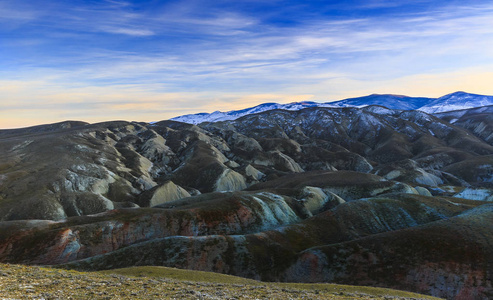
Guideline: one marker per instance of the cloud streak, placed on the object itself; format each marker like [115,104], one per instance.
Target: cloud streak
[195,55]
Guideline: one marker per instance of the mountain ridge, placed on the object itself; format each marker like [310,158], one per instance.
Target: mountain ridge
[310,195]
[450,102]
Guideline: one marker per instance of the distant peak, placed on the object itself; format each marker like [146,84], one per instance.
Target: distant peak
[453,101]
[458,93]
[303,102]
[392,95]
[268,103]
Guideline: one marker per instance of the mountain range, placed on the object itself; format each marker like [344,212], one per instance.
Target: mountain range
[454,101]
[350,195]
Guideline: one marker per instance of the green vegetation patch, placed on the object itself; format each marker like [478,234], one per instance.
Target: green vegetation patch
[25,282]
[343,291]
[179,274]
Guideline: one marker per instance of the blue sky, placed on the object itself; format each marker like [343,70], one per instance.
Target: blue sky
[153,60]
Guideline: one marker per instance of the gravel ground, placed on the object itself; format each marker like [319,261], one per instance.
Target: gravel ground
[24,282]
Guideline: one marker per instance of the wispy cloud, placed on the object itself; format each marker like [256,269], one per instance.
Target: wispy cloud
[125,56]
[14,14]
[128,31]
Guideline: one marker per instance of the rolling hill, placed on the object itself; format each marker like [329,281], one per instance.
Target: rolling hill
[349,195]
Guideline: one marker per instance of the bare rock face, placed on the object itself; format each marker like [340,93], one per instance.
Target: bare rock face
[315,200]
[283,162]
[409,171]
[204,168]
[163,193]
[230,181]
[476,193]
[253,174]
[423,191]
[86,204]
[319,194]
[347,185]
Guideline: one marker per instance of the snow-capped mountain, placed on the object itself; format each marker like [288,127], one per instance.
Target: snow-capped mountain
[453,116]
[235,114]
[456,101]
[450,102]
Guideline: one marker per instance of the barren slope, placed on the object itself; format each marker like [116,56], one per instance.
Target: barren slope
[367,196]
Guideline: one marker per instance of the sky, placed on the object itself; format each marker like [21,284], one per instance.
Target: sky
[154,60]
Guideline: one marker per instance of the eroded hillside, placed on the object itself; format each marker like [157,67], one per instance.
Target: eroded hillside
[367,196]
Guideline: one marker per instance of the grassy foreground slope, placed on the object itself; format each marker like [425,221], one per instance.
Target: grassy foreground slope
[24,282]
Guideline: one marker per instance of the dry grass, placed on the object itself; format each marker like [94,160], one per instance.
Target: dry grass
[24,282]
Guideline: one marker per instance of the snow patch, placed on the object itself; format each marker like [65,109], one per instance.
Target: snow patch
[373,103]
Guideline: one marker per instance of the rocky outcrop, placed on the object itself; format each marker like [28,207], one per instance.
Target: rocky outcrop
[163,193]
[230,181]
[422,191]
[409,171]
[316,200]
[347,185]
[253,174]
[476,193]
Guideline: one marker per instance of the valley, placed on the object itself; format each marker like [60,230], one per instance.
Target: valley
[368,196]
